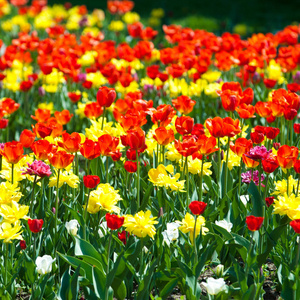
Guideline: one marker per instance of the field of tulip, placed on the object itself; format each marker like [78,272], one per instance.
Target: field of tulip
[139,162]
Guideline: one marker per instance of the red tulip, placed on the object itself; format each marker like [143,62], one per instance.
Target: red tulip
[254,223]
[35,225]
[296,225]
[197,207]
[91,181]
[113,221]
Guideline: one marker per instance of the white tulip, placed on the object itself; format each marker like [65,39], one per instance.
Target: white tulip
[72,227]
[214,286]
[245,199]
[44,264]
[171,233]
[103,229]
[225,224]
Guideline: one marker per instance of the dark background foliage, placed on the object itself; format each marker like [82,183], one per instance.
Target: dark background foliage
[261,15]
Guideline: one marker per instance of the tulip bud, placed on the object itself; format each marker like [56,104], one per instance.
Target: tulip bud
[23,244]
[219,270]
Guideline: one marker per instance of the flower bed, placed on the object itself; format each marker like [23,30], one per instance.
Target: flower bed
[140,162]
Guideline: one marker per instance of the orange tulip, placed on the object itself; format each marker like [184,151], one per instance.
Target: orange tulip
[246,111]
[135,139]
[184,125]
[42,130]
[108,144]
[219,127]
[187,147]
[250,163]
[63,117]
[41,115]
[60,159]
[184,104]
[13,152]
[90,149]
[164,136]
[71,142]
[93,110]
[42,148]
[206,145]
[27,138]
[263,109]
[163,115]
[241,146]
[287,156]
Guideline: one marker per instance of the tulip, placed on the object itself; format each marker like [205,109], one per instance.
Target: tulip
[72,227]
[164,136]
[197,207]
[130,166]
[254,223]
[184,125]
[60,159]
[214,286]
[184,104]
[113,221]
[35,225]
[27,138]
[44,264]
[91,181]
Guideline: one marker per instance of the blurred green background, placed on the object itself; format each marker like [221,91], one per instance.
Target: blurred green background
[216,15]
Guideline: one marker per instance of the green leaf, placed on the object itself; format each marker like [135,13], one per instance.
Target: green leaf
[169,287]
[98,283]
[85,270]
[119,288]
[257,209]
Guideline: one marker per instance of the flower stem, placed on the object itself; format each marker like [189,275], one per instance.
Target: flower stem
[187,179]
[201,180]
[226,167]
[12,173]
[103,117]
[32,197]
[287,183]
[56,211]
[195,250]
[259,178]
[108,260]
[85,215]
[107,169]
[5,264]
[138,179]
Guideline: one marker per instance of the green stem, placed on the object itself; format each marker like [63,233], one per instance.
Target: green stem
[288,183]
[12,173]
[298,185]
[201,180]
[195,250]
[266,187]
[240,180]
[107,157]
[56,211]
[5,263]
[226,167]
[108,261]
[76,164]
[32,197]
[138,179]
[103,117]
[187,179]
[34,246]
[85,215]
[259,178]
